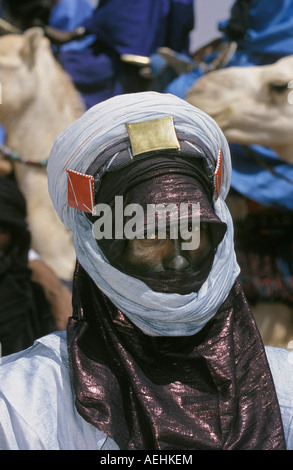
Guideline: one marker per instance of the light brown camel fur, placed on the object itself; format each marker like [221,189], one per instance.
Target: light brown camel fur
[38,102]
[252,105]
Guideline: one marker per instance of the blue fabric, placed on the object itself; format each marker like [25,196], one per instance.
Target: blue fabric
[96,76]
[67,15]
[2,135]
[181,84]
[125,27]
[270,28]
[140,27]
[262,176]
[37,403]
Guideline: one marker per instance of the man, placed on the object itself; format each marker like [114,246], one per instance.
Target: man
[162,351]
[121,28]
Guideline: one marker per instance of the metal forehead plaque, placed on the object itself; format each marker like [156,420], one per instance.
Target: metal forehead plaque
[149,136]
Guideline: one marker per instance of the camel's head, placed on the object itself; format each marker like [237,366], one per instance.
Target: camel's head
[252,105]
[18,71]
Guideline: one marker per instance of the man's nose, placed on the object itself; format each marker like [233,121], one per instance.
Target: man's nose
[176,258]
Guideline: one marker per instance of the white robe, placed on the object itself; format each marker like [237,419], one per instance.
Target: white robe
[37,409]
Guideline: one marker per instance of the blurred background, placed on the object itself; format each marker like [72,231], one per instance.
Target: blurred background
[208,14]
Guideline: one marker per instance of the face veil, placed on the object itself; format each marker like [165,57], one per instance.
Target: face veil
[149,182]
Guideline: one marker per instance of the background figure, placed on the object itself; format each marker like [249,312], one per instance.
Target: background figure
[260,33]
[120,27]
[105,33]
[66,15]
[33,301]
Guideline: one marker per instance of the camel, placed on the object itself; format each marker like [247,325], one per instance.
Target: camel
[38,102]
[252,105]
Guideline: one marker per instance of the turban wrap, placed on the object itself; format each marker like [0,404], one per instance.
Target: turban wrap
[78,148]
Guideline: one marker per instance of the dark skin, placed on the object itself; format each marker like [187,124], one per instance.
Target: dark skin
[158,255]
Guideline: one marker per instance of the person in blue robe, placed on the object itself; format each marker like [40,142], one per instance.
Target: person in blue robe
[120,28]
[66,15]
[263,33]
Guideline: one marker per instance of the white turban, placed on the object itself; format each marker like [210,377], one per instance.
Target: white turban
[155,313]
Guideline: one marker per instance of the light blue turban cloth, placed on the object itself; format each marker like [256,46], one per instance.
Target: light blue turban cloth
[77,147]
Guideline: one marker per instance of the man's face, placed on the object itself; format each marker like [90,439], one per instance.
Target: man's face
[159,255]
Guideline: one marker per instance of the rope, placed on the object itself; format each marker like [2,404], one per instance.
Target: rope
[14,156]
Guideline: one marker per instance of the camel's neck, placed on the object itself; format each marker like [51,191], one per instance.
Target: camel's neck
[52,110]
[22,131]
